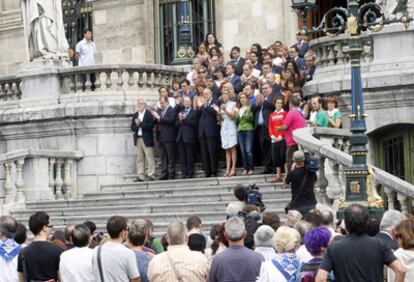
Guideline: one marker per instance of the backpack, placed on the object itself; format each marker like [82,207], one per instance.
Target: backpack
[311,162]
[254,197]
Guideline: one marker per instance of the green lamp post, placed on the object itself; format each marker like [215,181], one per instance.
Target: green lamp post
[185,51]
[352,20]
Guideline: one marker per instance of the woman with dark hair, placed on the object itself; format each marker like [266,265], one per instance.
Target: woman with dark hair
[211,41]
[203,55]
[219,76]
[176,91]
[277,137]
[257,48]
[293,67]
[199,89]
[245,133]
[404,234]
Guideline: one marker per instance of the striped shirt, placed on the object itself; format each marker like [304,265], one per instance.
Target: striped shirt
[236,264]
[191,266]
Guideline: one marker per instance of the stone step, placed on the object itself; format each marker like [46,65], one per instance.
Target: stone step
[145,208]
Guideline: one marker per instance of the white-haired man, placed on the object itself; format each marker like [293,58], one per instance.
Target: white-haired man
[389,221]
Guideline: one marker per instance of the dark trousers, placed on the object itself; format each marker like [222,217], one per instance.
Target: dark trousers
[279,153]
[208,148]
[167,154]
[186,153]
[266,146]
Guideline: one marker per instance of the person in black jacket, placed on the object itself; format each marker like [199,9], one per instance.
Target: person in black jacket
[265,105]
[142,125]
[167,138]
[208,133]
[237,60]
[187,124]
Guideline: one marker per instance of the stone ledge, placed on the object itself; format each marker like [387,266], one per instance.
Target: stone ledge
[42,153]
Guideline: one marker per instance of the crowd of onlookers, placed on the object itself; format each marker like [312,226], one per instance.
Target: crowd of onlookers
[249,246]
[247,105]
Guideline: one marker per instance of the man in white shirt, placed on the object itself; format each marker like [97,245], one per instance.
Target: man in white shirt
[86,50]
[76,263]
[117,263]
[9,250]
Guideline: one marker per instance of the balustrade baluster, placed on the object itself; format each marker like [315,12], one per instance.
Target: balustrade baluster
[131,82]
[331,55]
[403,202]
[58,179]
[108,80]
[119,81]
[19,181]
[98,82]
[8,186]
[72,83]
[88,82]
[390,197]
[324,58]
[51,178]
[340,57]
[79,82]
[68,178]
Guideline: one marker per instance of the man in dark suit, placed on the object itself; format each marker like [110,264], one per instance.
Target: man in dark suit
[254,57]
[294,55]
[389,221]
[208,133]
[167,138]
[233,78]
[187,124]
[265,105]
[236,60]
[302,45]
[213,87]
[142,125]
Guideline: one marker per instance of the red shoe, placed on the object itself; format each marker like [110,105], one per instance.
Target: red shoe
[277,180]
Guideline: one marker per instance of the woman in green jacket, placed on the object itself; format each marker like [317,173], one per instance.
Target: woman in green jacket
[245,133]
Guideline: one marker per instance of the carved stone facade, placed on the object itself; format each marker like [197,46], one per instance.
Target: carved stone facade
[125,31]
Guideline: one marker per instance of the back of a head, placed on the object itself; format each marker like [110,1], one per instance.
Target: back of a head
[240,193]
[251,225]
[302,227]
[193,222]
[264,236]
[391,219]
[317,238]
[21,234]
[37,221]
[91,225]
[80,235]
[68,232]
[58,235]
[138,233]
[234,229]
[404,233]
[356,217]
[373,225]
[115,225]
[271,219]
[197,242]
[287,240]
[8,226]
[313,218]
[176,233]
[327,218]
[214,231]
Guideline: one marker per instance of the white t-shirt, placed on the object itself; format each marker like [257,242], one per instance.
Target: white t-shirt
[87,52]
[76,265]
[119,264]
[8,270]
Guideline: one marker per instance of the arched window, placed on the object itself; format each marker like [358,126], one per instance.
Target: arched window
[182,25]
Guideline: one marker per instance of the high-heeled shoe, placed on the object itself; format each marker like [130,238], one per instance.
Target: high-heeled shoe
[232,172]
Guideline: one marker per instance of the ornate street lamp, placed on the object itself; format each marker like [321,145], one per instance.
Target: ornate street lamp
[353,20]
[185,52]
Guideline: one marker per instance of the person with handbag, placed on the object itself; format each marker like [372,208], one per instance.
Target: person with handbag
[302,185]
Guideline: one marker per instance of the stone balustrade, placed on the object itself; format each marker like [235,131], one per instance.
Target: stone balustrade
[10,88]
[333,51]
[332,146]
[39,174]
[118,78]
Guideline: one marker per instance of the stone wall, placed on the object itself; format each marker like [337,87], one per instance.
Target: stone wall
[13,51]
[123,31]
[244,22]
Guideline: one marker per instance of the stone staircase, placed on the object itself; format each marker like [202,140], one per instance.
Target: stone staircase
[159,201]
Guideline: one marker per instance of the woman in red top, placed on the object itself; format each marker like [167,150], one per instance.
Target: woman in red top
[278,140]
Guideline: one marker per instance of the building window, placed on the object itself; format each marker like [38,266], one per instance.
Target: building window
[198,16]
[77,16]
[394,156]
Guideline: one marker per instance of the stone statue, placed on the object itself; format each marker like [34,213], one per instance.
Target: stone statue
[397,8]
[44,30]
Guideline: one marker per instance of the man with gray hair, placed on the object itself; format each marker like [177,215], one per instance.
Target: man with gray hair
[178,262]
[236,263]
[263,240]
[76,263]
[390,220]
[9,249]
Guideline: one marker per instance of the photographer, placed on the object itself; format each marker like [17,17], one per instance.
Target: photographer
[303,182]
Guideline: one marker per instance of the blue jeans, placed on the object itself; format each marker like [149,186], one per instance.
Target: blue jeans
[246,146]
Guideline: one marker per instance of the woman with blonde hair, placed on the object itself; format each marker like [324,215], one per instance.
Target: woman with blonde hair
[286,265]
[404,234]
[228,113]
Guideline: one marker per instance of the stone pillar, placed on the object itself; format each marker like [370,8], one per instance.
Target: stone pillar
[36,177]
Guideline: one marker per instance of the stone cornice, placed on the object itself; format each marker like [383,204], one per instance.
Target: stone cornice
[10,20]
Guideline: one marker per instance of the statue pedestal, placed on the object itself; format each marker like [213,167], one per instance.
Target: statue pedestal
[40,81]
